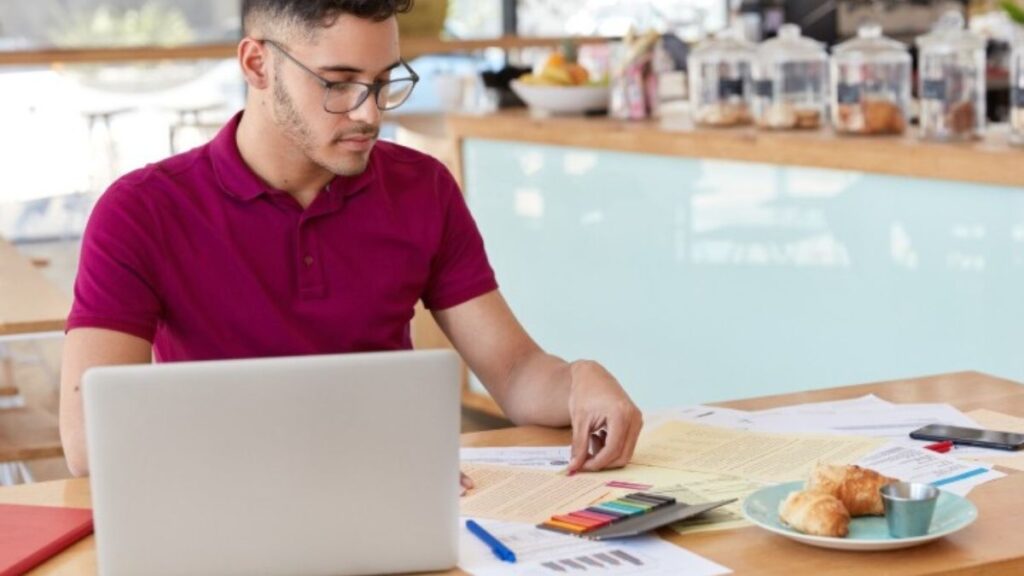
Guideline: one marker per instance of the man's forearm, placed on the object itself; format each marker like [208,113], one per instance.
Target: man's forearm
[538,391]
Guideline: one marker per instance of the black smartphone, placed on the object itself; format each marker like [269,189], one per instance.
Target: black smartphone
[970,436]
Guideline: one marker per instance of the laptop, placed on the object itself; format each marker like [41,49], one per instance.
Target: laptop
[332,465]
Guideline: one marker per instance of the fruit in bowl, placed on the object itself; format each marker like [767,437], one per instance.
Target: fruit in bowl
[557,71]
[561,86]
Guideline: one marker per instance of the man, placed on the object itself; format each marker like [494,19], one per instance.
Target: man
[296,232]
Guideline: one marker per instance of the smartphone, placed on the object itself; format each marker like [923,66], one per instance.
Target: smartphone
[970,436]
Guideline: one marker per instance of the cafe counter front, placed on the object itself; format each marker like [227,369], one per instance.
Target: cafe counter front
[701,265]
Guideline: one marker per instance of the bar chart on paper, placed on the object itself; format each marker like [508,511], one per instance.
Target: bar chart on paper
[544,553]
[603,561]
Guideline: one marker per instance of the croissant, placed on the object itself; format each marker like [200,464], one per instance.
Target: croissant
[815,513]
[857,488]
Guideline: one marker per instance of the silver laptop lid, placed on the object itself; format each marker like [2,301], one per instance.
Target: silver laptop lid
[307,465]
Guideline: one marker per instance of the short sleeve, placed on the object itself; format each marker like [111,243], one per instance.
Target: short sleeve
[116,285]
[460,270]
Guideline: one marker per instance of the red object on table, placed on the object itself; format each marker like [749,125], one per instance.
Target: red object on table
[940,447]
[30,535]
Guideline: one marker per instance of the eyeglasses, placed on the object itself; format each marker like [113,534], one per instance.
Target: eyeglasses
[343,97]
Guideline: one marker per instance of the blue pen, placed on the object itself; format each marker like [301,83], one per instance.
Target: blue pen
[499,549]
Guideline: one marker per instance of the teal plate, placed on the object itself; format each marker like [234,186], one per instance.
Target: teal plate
[952,513]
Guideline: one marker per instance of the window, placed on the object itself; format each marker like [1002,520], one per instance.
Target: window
[688,18]
[474,18]
[111,23]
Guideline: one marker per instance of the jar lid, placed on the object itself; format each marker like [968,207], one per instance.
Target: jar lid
[870,42]
[950,33]
[790,45]
[727,44]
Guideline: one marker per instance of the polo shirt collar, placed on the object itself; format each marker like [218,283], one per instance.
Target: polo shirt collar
[236,178]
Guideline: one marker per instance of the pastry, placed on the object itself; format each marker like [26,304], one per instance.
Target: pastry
[872,116]
[778,116]
[962,118]
[808,119]
[786,117]
[882,117]
[815,513]
[1017,122]
[857,488]
[724,115]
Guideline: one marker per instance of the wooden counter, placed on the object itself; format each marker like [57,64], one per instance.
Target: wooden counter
[992,161]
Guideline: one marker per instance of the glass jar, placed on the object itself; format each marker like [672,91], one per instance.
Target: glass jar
[951,81]
[720,80]
[790,82]
[1017,92]
[871,77]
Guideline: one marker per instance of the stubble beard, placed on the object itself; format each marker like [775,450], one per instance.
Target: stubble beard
[299,132]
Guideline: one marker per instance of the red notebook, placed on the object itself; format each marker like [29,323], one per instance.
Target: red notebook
[30,535]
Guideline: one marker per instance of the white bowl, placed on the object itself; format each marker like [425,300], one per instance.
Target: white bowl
[562,99]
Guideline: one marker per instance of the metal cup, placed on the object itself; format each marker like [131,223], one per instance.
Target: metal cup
[909,507]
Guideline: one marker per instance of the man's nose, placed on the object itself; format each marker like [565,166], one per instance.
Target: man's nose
[367,112]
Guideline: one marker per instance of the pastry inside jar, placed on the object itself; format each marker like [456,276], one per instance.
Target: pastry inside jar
[808,118]
[871,116]
[724,114]
[1017,121]
[962,119]
[850,118]
[882,117]
[787,117]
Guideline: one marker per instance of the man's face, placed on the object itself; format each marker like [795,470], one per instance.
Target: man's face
[352,49]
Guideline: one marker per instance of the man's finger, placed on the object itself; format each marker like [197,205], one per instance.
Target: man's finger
[613,445]
[466,481]
[580,445]
[597,440]
[635,426]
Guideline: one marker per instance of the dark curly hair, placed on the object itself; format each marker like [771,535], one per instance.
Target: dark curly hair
[310,14]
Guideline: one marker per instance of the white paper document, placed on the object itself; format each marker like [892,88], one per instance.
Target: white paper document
[893,422]
[709,415]
[543,553]
[866,402]
[919,465]
[524,495]
[552,458]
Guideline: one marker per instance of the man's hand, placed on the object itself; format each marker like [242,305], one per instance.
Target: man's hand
[601,413]
[465,483]
[534,388]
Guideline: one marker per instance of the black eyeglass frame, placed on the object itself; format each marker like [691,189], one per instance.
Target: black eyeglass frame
[369,88]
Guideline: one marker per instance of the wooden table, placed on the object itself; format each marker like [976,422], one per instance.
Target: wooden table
[29,304]
[992,545]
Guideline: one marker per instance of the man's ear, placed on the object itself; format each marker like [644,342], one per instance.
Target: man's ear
[252,58]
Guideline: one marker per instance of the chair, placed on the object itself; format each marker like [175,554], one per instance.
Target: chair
[190,129]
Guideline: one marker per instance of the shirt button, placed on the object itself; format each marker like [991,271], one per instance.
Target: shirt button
[308,260]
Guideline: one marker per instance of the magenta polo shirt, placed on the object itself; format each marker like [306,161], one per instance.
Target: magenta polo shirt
[199,256]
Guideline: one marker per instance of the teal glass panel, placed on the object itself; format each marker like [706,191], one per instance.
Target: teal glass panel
[696,280]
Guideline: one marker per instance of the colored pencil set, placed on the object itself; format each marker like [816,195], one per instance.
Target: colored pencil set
[606,513]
